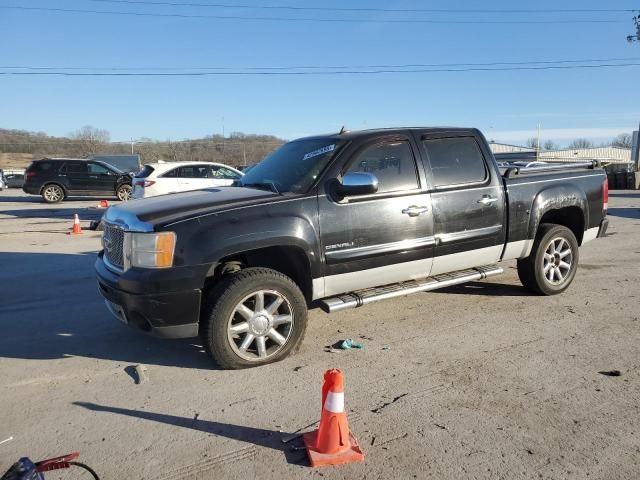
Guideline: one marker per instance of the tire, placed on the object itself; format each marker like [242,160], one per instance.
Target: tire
[233,316]
[124,192]
[52,193]
[545,270]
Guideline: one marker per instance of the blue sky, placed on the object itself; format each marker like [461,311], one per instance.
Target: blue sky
[507,105]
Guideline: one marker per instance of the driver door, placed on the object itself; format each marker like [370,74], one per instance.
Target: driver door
[383,238]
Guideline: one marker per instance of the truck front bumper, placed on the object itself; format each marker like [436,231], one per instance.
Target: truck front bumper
[152,306]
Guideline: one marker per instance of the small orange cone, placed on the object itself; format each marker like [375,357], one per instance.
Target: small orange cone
[332,443]
[103,204]
[76,225]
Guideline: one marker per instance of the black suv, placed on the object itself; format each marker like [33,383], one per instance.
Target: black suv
[58,178]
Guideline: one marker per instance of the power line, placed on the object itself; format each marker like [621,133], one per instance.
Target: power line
[366,9]
[323,73]
[325,67]
[301,19]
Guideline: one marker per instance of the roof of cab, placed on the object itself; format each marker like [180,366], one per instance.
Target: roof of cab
[352,135]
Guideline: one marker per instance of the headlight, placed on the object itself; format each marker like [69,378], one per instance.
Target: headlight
[149,250]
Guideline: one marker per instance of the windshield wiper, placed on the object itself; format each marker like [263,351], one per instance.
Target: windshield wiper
[260,185]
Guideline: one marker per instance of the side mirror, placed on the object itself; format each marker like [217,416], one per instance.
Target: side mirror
[357,183]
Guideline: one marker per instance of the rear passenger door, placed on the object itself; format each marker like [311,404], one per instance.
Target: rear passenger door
[468,202]
[77,176]
[193,177]
[383,238]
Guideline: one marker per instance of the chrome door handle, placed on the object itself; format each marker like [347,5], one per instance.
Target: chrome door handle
[414,211]
[487,200]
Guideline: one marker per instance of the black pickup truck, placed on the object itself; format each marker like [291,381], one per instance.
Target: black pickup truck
[339,221]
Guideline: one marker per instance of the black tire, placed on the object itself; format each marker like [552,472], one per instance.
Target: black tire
[124,192]
[237,290]
[534,271]
[53,193]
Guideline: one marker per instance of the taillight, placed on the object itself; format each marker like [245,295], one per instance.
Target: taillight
[29,175]
[605,195]
[144,183]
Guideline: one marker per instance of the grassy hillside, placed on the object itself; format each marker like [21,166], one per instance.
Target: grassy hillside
[18,147]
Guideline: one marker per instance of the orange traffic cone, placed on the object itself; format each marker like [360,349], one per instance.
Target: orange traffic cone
[332,443]
[76,225]
[103,204]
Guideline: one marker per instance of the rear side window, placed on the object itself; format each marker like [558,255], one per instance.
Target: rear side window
[172,173]
[193,171]
[75,168]
[41,167]
[392,164]
[145,172]
[455,161]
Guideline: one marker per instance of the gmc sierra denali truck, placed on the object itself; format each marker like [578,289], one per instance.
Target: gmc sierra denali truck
[339,221]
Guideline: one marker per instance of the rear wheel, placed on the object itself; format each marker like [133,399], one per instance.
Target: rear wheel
[124,192]
[52,193]
[553,262]
[254,316]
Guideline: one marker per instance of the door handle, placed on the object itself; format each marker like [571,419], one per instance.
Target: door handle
[414,211]
[487,200]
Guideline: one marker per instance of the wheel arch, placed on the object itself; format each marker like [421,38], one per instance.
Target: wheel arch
[59,184]
[289,259]
[565,205]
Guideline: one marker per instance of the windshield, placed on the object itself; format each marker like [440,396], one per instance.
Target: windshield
[294,166]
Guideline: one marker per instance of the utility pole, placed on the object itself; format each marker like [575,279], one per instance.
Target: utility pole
[538,148]
[131,145]
[223,138]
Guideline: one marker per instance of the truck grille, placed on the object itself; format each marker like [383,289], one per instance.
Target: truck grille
[113,242]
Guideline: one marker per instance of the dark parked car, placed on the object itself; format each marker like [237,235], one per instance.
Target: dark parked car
[58,178]
[14,180]
[340,221]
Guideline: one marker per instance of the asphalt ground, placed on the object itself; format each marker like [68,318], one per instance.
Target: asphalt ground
[478,381]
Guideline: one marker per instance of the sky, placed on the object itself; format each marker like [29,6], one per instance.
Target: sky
[508,105]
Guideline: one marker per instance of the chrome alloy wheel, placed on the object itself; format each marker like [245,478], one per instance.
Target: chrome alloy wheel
[557,261]
[260,325]
[53,193]
[124,193]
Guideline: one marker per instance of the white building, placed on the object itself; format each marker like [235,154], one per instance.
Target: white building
[605,155]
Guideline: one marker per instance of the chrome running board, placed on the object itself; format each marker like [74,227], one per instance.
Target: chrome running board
[370,295]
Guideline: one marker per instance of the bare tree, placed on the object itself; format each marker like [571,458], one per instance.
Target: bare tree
[550,145]
[623,140]
[581,143]
[90,139]
[532,143]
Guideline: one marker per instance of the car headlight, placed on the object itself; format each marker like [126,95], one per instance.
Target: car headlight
[149,250]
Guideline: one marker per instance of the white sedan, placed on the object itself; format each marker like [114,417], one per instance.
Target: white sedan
[170,177]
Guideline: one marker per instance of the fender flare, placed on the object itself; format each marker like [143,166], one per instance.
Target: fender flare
[557,197]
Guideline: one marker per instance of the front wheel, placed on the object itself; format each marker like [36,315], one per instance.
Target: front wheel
[553,262]
[253,317]
[124,192]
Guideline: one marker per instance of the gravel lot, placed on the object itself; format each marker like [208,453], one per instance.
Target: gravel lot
[478,381]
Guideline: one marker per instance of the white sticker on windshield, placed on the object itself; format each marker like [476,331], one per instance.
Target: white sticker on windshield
[320,151]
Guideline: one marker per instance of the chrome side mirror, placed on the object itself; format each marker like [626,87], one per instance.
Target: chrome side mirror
[357,183]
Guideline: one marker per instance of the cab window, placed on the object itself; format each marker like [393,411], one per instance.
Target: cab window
[392,163]
[455,161]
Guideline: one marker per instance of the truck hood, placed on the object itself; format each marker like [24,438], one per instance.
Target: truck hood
[165,209]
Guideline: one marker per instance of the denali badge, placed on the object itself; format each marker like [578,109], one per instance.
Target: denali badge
[339,245]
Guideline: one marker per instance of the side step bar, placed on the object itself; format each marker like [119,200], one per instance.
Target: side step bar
[370,295]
